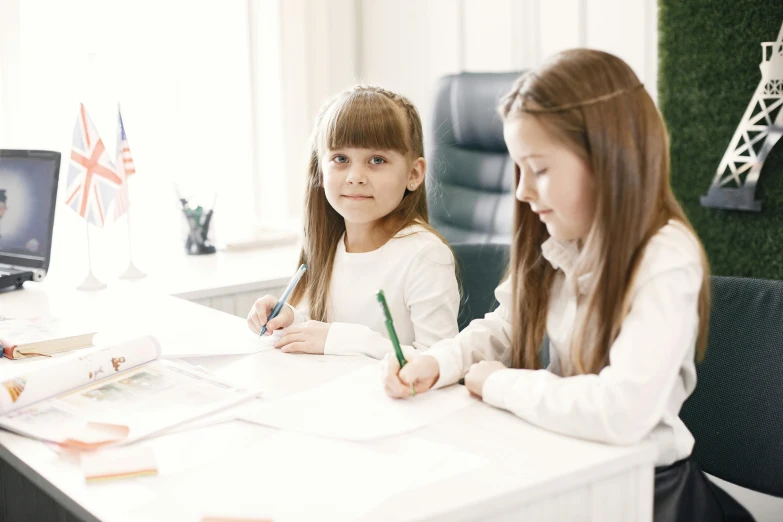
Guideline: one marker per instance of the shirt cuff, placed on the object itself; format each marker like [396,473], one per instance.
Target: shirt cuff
[299,318]
[335,339]
[357,339]
[499,385]
[448,357]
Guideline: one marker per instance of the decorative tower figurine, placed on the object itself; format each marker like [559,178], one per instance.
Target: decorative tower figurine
[761,127]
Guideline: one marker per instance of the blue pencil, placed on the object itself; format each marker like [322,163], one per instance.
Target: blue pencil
[284,297]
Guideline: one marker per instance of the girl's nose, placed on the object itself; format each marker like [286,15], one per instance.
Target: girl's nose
[526,190]
[356,175]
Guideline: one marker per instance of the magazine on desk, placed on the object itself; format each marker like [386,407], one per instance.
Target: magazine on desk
[114,394]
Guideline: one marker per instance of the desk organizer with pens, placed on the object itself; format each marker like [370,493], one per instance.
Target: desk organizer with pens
[200,236]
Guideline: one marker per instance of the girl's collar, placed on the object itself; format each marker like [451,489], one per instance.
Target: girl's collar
[563,255]
[409,230]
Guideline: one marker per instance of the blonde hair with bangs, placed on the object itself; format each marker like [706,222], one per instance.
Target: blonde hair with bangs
[361,117]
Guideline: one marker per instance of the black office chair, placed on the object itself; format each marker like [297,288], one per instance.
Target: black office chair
[469,195]
[736,410]
[481,268]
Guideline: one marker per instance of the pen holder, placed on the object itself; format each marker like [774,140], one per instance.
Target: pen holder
[198,229]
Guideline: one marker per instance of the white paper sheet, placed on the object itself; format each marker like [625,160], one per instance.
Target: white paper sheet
[203,343]
[356,407]
[295,477]
[184,452]
[197,334]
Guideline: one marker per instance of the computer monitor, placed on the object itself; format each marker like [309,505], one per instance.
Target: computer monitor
[28,195]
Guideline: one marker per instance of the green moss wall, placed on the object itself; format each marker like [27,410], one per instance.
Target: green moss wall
[709,55]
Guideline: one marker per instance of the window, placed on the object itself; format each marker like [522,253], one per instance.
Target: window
[181,71]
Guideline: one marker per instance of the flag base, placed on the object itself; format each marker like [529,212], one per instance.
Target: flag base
[91,283]
[132,272]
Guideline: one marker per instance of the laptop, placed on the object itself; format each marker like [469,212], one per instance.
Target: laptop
[28,194]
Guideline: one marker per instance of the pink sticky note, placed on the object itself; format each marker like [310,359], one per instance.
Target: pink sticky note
[118,463]
[93,435]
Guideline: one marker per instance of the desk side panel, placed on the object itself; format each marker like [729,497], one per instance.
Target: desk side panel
[622,497]
[25,495]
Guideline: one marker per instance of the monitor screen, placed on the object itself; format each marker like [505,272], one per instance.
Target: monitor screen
[28,190]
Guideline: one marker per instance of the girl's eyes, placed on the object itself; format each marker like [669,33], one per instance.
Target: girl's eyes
[532,169]
[375,160]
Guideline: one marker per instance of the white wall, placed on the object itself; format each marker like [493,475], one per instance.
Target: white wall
[406,45]
[9,66]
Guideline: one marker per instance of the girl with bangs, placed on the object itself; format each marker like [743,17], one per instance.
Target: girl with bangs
[605,263]
[366,228]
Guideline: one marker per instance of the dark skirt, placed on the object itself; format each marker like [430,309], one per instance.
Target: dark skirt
[683,493]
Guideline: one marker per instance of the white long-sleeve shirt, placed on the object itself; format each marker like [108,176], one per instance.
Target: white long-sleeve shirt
[415,270]
[651,367]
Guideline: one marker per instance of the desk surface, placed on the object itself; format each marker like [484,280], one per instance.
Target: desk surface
[236,468]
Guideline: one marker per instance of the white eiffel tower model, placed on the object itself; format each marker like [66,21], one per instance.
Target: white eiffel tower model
[761,127]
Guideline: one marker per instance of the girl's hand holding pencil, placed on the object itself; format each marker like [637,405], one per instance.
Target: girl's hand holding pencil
[307,337]
[417,376]
[260,312]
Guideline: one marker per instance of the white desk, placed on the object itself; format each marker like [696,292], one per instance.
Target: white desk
[524,472]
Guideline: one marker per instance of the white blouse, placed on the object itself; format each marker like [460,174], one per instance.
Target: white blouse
[415,270]
[651,367]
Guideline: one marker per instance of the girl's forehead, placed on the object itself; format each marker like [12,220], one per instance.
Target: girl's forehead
[526,137]
[526,126]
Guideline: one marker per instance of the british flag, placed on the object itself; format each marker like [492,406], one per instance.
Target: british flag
[125,168]
[92,180]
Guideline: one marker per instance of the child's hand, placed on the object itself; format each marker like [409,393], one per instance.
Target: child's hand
[308,337]
[421,370]
[479,373]
[260,311]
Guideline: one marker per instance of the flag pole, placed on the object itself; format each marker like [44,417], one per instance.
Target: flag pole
[132,272]
[90,283]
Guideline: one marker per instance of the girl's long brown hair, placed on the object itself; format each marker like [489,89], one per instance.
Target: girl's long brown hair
[593,103]
[362,117]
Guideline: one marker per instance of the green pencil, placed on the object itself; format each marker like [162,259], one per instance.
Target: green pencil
[390,328]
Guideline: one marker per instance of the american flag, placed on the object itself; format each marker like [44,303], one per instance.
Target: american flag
[125,169]
[92,180]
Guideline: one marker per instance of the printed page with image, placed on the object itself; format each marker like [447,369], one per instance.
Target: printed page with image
[114,394]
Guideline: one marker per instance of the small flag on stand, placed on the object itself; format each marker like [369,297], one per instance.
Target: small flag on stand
[92,180]
[125,169]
